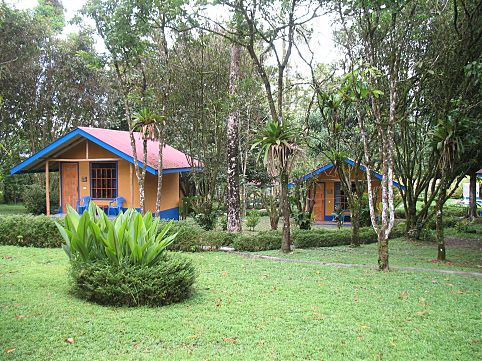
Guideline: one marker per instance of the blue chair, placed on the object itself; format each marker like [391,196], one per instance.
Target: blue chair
[82,204]
[115,205]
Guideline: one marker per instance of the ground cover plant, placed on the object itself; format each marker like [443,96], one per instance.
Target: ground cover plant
[242,309]
[124,261]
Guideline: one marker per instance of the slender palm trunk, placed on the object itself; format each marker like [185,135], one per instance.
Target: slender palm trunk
[439,228]
[355,226]
[285,210]
[473,197]
[159,174]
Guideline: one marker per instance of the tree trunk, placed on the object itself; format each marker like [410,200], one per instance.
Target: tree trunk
[382,251]
[234,219]
[285,210]
[159,173]
[439,228]
[412,229]
[355,227]
[473,196]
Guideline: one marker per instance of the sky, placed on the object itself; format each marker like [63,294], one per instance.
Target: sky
[321,43]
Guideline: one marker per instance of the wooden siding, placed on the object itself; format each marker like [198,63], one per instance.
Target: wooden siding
[170,188]
[325,200]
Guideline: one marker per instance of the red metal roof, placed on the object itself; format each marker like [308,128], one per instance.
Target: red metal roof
[120,140]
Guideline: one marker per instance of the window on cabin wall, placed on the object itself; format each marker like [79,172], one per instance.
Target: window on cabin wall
[341,197]
[103,178]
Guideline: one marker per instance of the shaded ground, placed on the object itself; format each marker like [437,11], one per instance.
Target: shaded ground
[402,253]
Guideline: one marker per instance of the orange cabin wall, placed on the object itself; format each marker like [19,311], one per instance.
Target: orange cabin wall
[325,199]
[125,177]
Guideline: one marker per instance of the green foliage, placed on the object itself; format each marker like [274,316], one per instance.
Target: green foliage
[206,220]
[29,231]
[303,219]
[278,145]
[34,199]
[252,219]
[169,280]
[128,239]
[322,238]
[260,242]
[223,222]
[188,235]
[192,238]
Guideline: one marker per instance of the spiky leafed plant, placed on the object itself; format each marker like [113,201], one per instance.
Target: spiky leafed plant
[278,145]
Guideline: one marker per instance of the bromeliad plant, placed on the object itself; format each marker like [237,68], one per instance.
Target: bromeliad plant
[129,239]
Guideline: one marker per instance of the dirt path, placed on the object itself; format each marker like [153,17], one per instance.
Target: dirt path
[350,265]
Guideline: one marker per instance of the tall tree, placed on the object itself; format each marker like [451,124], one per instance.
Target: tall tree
[270,29]
[233,199]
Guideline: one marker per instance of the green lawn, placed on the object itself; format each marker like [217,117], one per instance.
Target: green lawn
[243,309]
[401,253]
[10,209]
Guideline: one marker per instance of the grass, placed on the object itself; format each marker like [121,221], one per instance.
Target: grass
[243,309]
[11,209]
[401,253]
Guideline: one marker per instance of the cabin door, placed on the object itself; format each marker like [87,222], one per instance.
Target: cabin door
[70,185]
[319,207]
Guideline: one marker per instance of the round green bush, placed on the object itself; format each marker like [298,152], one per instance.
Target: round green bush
[167,282]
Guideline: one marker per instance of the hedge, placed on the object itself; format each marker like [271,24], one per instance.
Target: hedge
[323,238]
[168,282]
[262,241]
[29,231]
[192,238]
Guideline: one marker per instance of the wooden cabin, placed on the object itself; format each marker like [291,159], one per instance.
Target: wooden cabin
[328,193]
[99,163]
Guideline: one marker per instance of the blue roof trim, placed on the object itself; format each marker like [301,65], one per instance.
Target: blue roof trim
[44,151]
[181,170]
[330,165]
[19,168]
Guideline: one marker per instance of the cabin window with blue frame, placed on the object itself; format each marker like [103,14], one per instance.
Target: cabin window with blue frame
[103,180]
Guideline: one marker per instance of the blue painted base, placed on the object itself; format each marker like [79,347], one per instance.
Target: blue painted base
[330,218]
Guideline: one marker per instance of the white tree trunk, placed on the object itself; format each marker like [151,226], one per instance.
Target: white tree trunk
[233,199]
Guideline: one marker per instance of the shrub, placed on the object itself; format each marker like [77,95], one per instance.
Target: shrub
[216,239]
[263,212]
[206,220]
[252,219]
[223,222]
[124,261]
[400,213]
[323,238]
[29,231]
[303,219]
[262,241]
[169,281]
[34,199]
[188,235]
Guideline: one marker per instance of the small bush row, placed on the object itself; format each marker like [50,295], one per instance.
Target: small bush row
[29,231]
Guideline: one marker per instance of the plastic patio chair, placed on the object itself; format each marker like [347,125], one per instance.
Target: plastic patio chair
[115,205]
[82,204]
